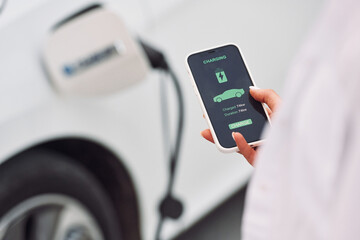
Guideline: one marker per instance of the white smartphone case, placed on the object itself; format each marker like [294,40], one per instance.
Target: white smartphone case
[218,145]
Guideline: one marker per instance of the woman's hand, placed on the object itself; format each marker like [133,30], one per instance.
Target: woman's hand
[272,100]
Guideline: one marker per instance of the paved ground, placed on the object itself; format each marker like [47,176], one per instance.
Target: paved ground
[223,223]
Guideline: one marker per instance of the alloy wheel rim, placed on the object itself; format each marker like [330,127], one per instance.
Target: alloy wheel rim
[49,217]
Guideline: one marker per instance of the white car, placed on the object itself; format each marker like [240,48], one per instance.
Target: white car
[91,167]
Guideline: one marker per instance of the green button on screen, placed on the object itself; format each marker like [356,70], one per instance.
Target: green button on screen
[240,124]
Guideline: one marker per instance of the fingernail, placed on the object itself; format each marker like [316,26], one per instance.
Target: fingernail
[254,87]
[233,135]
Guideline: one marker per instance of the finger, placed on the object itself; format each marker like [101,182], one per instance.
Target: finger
[207,135]
[244,148]
[267,96]
[269,112]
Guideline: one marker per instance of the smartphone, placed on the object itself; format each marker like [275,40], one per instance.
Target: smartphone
[221,80]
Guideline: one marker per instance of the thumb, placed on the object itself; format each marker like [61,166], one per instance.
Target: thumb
[267,96]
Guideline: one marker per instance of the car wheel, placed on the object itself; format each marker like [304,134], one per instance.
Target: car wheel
[218,99]
[45,195]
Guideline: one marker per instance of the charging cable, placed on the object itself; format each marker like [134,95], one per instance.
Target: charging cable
[170,207]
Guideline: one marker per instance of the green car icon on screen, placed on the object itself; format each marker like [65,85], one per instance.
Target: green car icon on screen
[231,93]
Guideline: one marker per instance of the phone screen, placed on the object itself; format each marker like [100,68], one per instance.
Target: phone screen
[223,82]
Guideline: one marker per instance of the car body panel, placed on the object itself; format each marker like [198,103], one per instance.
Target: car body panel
[128,123]
[33,112]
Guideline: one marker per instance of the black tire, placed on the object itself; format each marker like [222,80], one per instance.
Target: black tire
[34,173]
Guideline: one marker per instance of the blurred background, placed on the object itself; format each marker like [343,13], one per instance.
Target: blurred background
[211,185]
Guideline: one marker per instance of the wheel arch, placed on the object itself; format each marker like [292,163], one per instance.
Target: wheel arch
[109,170]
